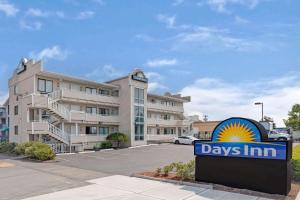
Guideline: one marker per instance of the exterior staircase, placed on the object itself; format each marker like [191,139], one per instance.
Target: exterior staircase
[58,134]
[58,110]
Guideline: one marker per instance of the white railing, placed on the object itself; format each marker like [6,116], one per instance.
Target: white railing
[58,108]
[58,133]
[55,95]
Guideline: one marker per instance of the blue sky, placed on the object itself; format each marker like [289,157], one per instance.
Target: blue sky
[226,54]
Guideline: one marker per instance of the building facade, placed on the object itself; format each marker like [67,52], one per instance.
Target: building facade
[66,111]
[3,124]
[204,129]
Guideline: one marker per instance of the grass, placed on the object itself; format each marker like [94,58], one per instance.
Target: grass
[296,162]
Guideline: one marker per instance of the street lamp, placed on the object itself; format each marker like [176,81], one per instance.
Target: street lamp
[262,109]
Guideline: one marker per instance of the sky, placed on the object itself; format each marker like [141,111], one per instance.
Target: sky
[225,54]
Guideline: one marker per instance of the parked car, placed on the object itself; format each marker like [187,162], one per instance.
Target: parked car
[184,140]
[275,135]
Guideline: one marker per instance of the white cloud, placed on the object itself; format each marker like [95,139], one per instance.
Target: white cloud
[219,99]
[32,25]
[7,8]
[214,39]
[55,53]
[240,20]
[104,73]
[168,20]
[154,76]
[221,5]
[162,62]
[153,86]
[85,15]
[36,12]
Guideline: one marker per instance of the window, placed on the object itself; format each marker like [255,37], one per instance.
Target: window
[139,113]
[139,96]
[104,92]
[139,132]
[91,110]
[16,110]
[90,90]
[168,131]
[91,130]
[167,117]
[115,93]
[103,130]
[16,130]
[16,89]
[45,86]
[103,111]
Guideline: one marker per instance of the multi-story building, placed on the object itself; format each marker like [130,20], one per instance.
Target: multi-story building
[66,111]
[204,129]
[3,124]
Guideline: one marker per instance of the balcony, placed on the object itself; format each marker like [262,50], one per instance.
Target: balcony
[94,118]
[164,108]
[83,97]
[161,122]
[37,127]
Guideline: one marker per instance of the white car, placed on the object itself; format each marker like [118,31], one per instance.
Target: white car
[184,140]
[278,135]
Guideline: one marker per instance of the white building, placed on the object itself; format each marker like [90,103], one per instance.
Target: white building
[61,110]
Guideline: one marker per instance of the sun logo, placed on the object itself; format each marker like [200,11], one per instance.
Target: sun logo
[236,132]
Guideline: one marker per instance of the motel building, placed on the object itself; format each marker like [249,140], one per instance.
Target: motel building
[68,112]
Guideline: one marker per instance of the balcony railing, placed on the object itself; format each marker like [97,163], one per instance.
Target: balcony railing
[93,118]
[161,107]
[162,122]
[85,97]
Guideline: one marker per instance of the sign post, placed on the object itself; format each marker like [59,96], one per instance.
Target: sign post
[240,155]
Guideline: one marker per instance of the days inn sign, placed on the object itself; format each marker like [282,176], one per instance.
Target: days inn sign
[240,155]
[238,137]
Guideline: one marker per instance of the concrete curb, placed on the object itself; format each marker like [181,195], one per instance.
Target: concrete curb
[207,186]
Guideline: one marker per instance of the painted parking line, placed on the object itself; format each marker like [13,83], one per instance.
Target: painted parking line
[63,154]
[83,152]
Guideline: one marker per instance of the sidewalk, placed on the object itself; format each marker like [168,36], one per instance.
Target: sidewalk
[119,187]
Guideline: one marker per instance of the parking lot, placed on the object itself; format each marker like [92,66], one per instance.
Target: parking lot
[21,178]
[128,161]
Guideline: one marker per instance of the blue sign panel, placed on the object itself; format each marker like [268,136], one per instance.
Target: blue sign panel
[239,137]
[264,150]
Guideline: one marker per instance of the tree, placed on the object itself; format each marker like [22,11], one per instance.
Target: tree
[118,138]
[293,120]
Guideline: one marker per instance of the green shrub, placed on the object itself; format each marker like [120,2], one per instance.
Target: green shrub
[167,169]
[40,151]
[118,138]
[20,148]
[106,145]
[185,171]
[296,162]
[6,147]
